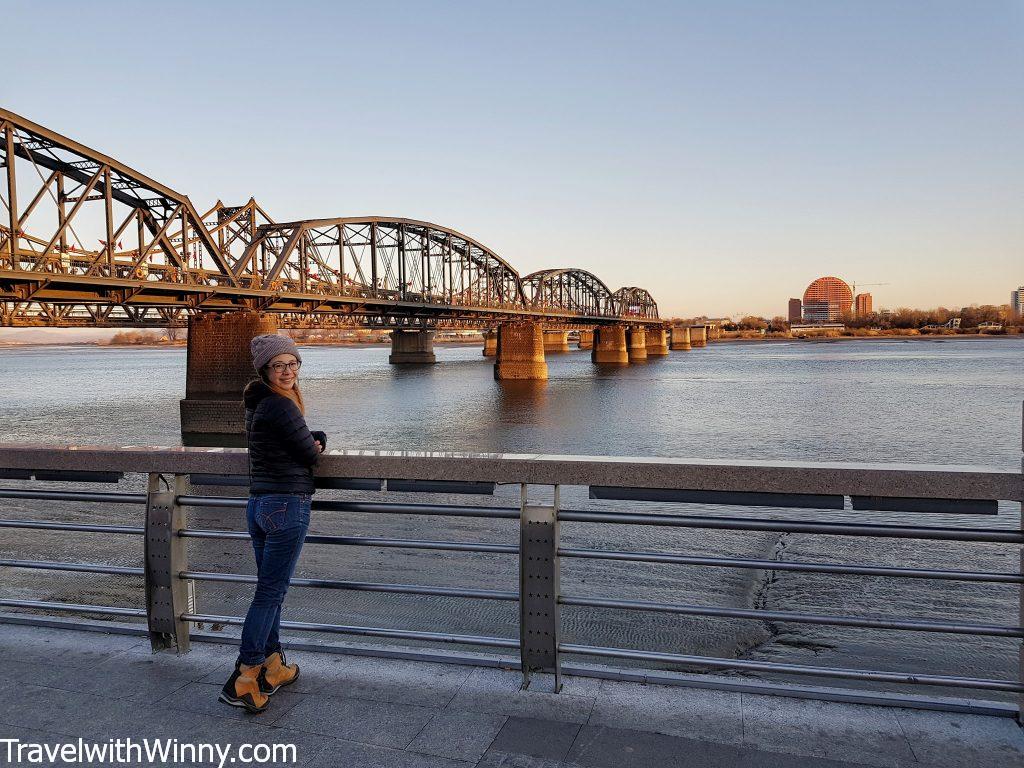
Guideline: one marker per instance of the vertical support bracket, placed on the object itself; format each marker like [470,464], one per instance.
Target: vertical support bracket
[166,592]
[539,589]
[1020,589]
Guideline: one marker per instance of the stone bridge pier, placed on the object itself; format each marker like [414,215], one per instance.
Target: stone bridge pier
[556,341]
[636,345]
[219,365]
[412,348]
[680,338]
[657,342]
[490,343]
[698,335]
[610,346]
[586,339]
[520,352]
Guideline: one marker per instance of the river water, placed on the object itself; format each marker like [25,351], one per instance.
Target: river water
[953,401]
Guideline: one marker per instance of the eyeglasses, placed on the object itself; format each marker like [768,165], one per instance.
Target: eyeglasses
[279,368]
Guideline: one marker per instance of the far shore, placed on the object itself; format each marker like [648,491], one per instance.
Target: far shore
[879,337]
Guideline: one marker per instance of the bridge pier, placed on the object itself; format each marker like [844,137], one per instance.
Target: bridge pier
[556,341]
[490,343]
[610,346]
[520,353]
[657,342]
[698,336]
[586,340]
[636,345]
[219,365]
[680,338]
[412,348]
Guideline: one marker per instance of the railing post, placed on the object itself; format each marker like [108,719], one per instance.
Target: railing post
[166,592]
[538,588]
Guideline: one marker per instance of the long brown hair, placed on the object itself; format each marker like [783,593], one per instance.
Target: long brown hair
[293,394]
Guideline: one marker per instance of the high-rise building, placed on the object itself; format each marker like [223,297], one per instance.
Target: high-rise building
[826,300]
[1017,302]
[796,311]
[862,304]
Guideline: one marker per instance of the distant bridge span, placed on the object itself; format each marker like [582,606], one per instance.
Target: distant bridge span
[87,241]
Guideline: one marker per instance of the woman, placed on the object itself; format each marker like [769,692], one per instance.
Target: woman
[282,452]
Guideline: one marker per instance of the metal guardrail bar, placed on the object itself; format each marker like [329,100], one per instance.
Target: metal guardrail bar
[788,565]
[919,625]
[794,669]
[87,496]
[786,526]
[370,507]
[107,610]
[342,629]
[851,479]
[49,565]
[45,525]
[363,541]
[361,586]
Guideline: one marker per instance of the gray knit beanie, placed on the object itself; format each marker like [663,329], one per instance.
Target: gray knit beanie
[268,346]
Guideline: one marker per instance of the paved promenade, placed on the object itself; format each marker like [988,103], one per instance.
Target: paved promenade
[361,712]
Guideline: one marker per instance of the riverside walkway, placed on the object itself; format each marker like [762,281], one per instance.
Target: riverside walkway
[358,711]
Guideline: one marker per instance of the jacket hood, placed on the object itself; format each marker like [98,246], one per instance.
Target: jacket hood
[255,391]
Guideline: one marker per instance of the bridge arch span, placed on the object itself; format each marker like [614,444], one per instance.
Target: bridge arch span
[569,290]
[635,302]
[383,257]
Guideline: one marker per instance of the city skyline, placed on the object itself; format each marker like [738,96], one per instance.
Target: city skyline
[667,147]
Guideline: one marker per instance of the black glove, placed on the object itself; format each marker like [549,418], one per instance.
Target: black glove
[321,438]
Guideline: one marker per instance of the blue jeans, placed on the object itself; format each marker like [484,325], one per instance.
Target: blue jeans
[277,525]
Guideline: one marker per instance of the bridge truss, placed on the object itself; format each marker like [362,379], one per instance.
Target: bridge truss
[87,241]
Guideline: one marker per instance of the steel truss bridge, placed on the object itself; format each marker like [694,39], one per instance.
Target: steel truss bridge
[87,241]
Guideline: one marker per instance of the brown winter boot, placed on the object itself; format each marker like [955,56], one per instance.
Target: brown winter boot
[243,688]
[277,672]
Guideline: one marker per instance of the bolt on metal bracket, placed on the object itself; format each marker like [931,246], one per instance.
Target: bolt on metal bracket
[539,589]
[167,594]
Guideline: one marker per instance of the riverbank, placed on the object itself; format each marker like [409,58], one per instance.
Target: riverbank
[889,338]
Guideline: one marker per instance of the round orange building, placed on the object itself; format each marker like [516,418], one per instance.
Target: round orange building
[826,300]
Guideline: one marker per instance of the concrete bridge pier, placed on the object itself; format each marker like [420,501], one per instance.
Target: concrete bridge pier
[698,336]
[636,345]
[610,346]
[219,365]
[520,353]
[657,342]
[586,340]
[680,338]
[490,343]
[412,348]
[556,341]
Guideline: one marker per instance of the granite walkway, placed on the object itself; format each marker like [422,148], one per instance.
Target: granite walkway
[59,685]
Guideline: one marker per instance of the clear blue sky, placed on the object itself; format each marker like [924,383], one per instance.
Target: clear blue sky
[721,154]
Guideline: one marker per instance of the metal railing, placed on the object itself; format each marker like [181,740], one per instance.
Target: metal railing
[908,489]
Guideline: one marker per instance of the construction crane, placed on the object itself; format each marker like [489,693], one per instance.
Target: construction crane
[863,285]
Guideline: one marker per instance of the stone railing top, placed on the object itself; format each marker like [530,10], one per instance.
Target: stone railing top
[869,479]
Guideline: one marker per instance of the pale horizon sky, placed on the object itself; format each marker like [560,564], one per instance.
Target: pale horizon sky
[720,154]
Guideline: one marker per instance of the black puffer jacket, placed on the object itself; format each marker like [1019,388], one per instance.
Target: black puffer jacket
[282,451]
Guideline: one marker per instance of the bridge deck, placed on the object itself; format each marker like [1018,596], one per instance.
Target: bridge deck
[355,711]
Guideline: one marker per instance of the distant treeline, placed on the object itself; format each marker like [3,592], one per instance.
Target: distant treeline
[143,338]
[903,318]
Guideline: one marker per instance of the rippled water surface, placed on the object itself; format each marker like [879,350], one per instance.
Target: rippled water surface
[949,401]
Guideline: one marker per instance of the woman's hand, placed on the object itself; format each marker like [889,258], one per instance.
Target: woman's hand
[320,438]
